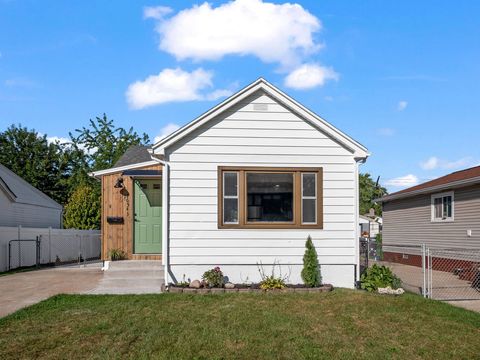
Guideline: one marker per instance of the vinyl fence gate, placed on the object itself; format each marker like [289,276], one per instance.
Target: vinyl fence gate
[16,252]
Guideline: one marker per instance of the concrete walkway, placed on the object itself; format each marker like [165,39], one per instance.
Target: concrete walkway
[27,288]
[446,286]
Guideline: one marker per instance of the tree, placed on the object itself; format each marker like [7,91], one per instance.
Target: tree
[104,143]
[311,269]
[83,209]
[42,164]
[368,192]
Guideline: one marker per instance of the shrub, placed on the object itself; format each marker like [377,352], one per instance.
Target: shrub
[83,209]
[117,254]
[311,269]
[379,277]
[213,277]
[271,281]
[184,283]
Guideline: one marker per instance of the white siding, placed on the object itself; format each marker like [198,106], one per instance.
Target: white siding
[245,136]
[28,215]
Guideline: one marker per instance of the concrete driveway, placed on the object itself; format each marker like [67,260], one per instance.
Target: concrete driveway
[28,288]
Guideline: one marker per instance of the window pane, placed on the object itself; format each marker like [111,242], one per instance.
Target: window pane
[270,197]
[308,184]
[230,184]
[230,211]
[447,207]
[438,208]
[308,211]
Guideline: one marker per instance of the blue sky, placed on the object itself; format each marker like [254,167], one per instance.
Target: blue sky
[401,77]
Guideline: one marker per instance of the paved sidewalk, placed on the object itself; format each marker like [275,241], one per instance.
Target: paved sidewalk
[27,288]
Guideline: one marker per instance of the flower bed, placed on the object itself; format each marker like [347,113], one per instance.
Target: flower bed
[254,288]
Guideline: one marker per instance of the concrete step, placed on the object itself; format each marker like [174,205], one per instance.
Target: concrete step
[135,272]
[125,291]
[132,283]
[135,264]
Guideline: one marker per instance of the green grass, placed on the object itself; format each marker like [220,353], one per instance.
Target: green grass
[342,324]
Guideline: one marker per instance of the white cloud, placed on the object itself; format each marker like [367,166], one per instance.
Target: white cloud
[386,132]
[308,76]
[403,181]
[165,131]
[156,12]
[402,105]
[434,162]
[59,139]
[173,85]
[20,82]
[275,33]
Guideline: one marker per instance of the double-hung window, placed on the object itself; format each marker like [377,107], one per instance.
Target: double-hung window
[442,207]
[256,197]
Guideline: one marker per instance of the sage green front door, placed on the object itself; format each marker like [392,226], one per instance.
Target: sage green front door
[148,217]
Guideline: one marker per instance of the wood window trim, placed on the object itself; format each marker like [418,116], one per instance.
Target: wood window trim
[297,201]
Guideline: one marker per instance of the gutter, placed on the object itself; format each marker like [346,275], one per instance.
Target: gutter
[165,214]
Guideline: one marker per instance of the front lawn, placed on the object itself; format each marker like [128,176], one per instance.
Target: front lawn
[340,324]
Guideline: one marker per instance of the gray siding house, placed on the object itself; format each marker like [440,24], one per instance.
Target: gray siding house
[22,204]
[442,213]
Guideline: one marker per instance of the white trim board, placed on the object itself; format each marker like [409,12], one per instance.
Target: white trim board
[122,168]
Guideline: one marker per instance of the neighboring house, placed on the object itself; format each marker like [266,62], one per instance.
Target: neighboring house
[241,186]
[442,213]
[22,204]
[370,226]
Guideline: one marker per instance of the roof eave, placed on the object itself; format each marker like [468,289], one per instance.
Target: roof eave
[98,174]
[431,189]
[357,149]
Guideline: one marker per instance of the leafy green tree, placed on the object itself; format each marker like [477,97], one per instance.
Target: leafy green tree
[42,164]
[104,143]
[83,209]
[311,269]
[369,191]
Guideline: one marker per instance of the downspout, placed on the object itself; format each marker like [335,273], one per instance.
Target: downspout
[165,214]
[358,161]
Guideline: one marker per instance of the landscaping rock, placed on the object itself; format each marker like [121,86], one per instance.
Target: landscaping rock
[174,289]
[217,290]
[389,291]
[195,284]
[244,290]
[190,291]
[229,285]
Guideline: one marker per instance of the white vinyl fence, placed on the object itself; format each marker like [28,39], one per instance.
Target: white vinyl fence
[57,246]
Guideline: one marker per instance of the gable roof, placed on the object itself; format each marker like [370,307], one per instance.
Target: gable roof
[134,155]
[20,191]
[456,179]
[137,156]
[261,84]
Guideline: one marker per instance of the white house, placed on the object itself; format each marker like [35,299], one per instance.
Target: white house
[244,184]
[22,204]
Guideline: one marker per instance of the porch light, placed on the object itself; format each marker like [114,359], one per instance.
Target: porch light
[118,183]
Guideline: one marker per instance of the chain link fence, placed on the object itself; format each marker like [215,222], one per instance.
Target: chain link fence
[436,273]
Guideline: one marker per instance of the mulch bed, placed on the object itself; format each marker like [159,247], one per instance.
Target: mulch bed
[249,289]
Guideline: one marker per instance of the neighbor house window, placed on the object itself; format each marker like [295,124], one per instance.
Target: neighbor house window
[255,197]
[442,207]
